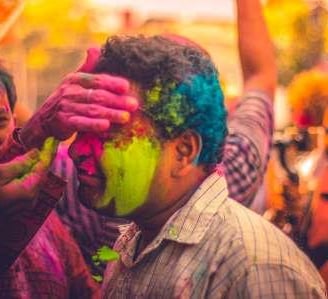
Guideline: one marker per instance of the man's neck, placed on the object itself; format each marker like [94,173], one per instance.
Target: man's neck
[151,226]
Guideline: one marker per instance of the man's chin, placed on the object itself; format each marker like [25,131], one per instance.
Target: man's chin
[90,197]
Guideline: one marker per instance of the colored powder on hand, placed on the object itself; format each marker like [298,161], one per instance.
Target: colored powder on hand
[48,151]
[129,171]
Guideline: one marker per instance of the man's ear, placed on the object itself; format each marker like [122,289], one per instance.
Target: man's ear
[187,149]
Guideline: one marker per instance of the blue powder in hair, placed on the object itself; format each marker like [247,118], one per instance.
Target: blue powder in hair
[197,104]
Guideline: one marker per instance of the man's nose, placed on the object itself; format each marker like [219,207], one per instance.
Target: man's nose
[86,145]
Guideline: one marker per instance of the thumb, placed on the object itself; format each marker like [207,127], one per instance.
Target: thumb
[18,167]
[48,151]
[23,188]
[93,55]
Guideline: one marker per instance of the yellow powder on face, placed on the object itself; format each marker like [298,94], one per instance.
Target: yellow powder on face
[129,171]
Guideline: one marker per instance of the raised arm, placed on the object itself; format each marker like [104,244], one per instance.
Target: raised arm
[248,144]
[255,48]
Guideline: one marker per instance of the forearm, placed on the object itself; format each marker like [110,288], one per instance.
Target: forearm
[247,147]
[33,135]
[255,47]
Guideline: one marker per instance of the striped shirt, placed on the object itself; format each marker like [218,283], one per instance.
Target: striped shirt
[51,266]
[246,154]
[212,247]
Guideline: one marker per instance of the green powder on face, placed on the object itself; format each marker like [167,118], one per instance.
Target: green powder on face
[129,171]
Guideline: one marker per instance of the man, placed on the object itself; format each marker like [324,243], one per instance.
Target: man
[160,171]
[11,189]
[247,145]
[51,266]
[308,98]
[7,103]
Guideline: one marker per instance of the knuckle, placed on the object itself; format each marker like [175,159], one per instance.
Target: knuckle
[65,92]
[68,77]
[93,112]
[61,105]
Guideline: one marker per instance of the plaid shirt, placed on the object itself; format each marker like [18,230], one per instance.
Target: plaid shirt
[247,147]
[212,248]
[245,159]
[51,266]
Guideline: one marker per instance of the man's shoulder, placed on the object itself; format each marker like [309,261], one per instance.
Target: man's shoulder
[257,240]
[255,233]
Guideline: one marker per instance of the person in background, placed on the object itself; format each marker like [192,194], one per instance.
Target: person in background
[7,104]
[23,114]
[9,192]
[51,266]
[308,97]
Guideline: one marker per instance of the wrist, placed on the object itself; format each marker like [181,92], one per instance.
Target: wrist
[31,136]
[18,139]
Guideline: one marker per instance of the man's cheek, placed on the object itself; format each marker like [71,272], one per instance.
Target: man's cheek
[129,172]
[3,134]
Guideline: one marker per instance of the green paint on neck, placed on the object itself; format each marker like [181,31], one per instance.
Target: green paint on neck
[129,172]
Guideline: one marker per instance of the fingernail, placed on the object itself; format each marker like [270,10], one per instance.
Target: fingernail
[125,117]
[133,104]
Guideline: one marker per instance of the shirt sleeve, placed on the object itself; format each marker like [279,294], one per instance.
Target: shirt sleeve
[80,283]
[11,147]
[248,145]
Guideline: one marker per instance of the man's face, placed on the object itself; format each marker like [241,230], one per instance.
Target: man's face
[7,123]
[117,172]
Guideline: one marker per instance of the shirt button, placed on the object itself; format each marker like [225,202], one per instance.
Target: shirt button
[173,232]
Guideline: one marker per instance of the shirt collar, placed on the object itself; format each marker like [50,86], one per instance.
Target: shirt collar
[188,225]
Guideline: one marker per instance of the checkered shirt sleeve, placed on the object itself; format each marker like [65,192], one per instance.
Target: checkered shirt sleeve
[247,146]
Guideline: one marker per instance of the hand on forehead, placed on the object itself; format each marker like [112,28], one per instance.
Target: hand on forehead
[108,97]
[84,102]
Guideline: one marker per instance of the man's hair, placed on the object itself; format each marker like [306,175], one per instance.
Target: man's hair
[7,81]
[179,86]
[308,95]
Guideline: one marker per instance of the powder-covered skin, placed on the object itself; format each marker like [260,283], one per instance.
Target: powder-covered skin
[48,151]
[45,156]
[129,171]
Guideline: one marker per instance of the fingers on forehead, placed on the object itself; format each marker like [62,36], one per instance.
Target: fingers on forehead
[94,111]
[112,100]
[113,115]
[75,93]
[100,81]
[86,124]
